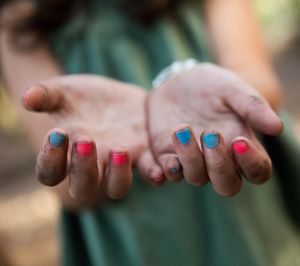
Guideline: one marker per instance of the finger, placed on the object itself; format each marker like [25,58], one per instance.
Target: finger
[48,95]
[42,98]
[253,161]
[150,170]
[119,174]
[252,107]
[190,155]
[51,162]
[220,165]
[84,174]
[171,166]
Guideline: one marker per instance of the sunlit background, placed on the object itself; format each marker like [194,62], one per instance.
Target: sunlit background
[28,211]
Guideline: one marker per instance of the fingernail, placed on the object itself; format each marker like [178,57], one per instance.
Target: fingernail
[25,97]
[211,140]
[119,158]
[83,148]
[57,139]
[175,169]
[240,147]
[184,136]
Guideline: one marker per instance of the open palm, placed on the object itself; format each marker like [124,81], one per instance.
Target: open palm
[100,133]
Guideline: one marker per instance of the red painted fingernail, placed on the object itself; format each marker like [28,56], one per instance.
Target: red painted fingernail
[119,158]
[240,147]
[83,148]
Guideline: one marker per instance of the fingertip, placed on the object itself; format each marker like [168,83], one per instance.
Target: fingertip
[232,191]
[265,120]
[84,173]
[150,170]
[34,98]
[156,176]
[86,198]
[119,174]
[190,156]
[274,127]
[278,127]
[173,164]
[252,159]
[173,169]
[51,163]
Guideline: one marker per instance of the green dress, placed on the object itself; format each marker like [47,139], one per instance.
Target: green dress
[176,224]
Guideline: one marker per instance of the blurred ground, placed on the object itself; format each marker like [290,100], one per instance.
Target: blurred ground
[29,211]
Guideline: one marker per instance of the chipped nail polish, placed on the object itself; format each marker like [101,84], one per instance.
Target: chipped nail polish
[184,136]
[175,169]
[83,148]
[240,146]
[211,140]
[119,158]
[57,139]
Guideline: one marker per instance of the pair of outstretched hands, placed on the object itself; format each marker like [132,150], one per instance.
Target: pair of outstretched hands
[198,125]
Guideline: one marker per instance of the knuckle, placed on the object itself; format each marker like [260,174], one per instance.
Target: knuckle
[231,189]
[257,103]
[119,193]
[49,176]
[80,197]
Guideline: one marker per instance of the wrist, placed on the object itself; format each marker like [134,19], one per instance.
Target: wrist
[172,70]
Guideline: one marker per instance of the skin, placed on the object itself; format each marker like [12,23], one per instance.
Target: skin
[242,49]
[211,99]
[83,108]
[247,57]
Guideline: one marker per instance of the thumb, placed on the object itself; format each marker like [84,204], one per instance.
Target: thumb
[250,105]
[42,98]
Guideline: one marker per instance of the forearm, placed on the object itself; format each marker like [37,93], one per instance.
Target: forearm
[239,46]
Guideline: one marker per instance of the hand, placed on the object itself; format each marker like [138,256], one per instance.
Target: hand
[218,106]
[100,134]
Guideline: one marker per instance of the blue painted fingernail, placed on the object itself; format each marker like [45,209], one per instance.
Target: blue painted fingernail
[184,136]
[57,139]
[175,169]
[211,140]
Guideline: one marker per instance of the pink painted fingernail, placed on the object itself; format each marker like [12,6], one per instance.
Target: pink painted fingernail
[119,158]
[83,148]
[240,147]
